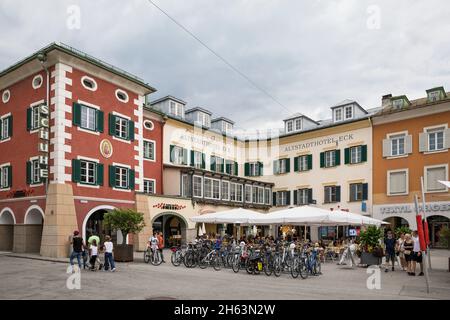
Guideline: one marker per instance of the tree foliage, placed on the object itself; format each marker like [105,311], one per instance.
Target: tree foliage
[125,220]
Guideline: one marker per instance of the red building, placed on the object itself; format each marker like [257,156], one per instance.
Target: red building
[92,142]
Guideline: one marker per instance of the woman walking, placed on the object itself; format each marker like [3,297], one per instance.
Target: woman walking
[401,251]
[408,246]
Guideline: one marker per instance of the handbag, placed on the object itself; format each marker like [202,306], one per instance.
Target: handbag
[407,252]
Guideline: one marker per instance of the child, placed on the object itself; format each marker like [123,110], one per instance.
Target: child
[109,259]
[94,252]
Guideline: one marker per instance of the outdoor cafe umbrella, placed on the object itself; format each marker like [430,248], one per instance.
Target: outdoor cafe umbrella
[303,215]
[234,216]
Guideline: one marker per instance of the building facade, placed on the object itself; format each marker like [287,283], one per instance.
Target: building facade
[411,140]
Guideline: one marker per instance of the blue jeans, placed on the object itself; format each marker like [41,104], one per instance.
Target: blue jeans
[109,260]
[78,255]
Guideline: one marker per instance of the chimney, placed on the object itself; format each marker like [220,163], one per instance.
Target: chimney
[386,100]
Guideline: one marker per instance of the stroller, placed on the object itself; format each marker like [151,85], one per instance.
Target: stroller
[99,262]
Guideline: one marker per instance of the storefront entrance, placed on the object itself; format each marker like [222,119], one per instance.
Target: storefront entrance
[173,228]
[435,225]
[96,226]
[396,222]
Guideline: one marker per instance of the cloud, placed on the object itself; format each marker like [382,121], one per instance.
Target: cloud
[307,54]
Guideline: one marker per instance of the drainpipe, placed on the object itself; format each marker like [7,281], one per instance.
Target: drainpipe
[42,57]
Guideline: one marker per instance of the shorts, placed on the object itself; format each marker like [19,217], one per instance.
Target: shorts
[409,257]
[390,257]
[417,257]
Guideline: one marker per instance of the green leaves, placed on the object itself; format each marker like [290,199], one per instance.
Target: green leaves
[371,236]
[125,220]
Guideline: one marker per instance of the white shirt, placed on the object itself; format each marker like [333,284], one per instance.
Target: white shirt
[109,246]
[94,250]
[416,244]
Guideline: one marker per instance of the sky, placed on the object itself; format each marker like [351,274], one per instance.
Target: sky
[304,56]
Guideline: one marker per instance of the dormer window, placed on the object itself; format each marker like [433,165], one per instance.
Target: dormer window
[337,114]
[398,103]
[289,126]
[298,124]
[203,119]
[436,94]
[176,109]
[348,112]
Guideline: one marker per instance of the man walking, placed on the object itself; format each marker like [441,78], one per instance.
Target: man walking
[161,245]
[78,247]
[390,244]
[417,254]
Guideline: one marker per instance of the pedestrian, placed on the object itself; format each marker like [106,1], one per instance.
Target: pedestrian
[161,245]
[109,259]
[390,244]
[408,247]
[153,242]
[78,247]
[417,254]
[401,251]
[93,253]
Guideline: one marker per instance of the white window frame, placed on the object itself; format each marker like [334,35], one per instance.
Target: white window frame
[267,196]
[425,175]
[427,130]
[302,163]
[5,134]
[357,186]
[95,86]
[350,107]
[355,154]
[238,192]
[120,182]
[37,77]
[194,184]
[298,124]
[248,193]
[253,168]
[177,155]
[87,176]
[333,192]
[35,172]
[4,181]
[340,118]
[225,190]
[121,128]
[151,142]
[388,192]
[281,166]
[397,136]
[302,194]
[186,193]
[290,124]
[87,120]
[120,91]
[330,158]
[153,183]
[281,198]
[432,96]
[6,96]
[35,117]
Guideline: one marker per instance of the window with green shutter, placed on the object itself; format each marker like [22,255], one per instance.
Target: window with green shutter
[121,177]
[5,177]
[33,118]
[5,128]
[33,172]
[87,118]
[178,155]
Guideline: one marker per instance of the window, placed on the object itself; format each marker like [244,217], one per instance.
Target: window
[197,159]
[436,139]
[302,163]
[248,193]
[260,195]
[5,177]
[121,128]
[89,83]
[282,198]
[149,125]
[397,144]
[197,186]
[236,192]
[432,177]
[5,128]
[88,118]
[149,186]
[225,190]
[398,104]
[217,164]
[216,189]
[203,119]
[398,182]
[122,96]
[355,154]
[122,178]
[88,172]
[35,172]
[356,192]
[231,167]
[289,126]
[434,96]
[37,82]
[332,194]
[6,95]
[338,114]
[281,166]
[348,112]
[178,155]
[330,157]
[176,109]
[267,192]
[255,169]
[298,124]
[212,188]
[35,118]
[149,150]
[303,196]
[186,187]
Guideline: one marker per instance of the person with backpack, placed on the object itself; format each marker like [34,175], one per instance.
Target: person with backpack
[78,246]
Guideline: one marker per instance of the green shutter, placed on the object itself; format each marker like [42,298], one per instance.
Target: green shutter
[338,193]
[309,161]
[275,167]
[288,198]
[322,159]
[347,155]
[112,124]
[310,196]
[365,191]
[247,169]
[260,168]
[295,197]
[10,126]
[274,198]
[364,153]
[29,114]
[10,176]
[99,119]
[203,161]
[236,168]
[100,169]
[1,125]
[76,114]
[172,147]
[28,172]
[192,158]
[112,176]
[213,163]
[228,167]
[288,165]
[131,132]
[337,155]
[131,176]
[296,167]
[76,170]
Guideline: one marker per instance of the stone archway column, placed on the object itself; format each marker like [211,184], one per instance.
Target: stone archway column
[142,237]
[59,222]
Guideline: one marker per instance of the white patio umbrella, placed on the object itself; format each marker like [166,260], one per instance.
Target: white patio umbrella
[235,216]
[304,215]
[339,217]
[445,183]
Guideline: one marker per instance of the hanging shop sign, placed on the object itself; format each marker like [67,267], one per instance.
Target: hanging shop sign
[169,206]
[44,137]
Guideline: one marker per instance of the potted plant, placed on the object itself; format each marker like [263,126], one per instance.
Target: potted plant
[127,221]
[371,251]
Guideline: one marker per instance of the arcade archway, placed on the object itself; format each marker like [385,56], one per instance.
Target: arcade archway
[7,222]
[93,224]
[435,225]
[396,222]
[173,226]
[33,225]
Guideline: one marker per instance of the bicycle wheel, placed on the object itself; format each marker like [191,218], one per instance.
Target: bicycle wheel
[250,267]
[217,263]
[303,268]
[189,260]
[295,269]
[146,256]
[203,263]
[268,267]
[236,263]
[277,267]
[175,258]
